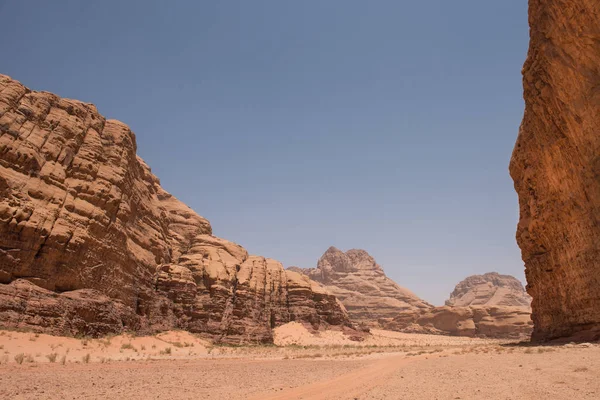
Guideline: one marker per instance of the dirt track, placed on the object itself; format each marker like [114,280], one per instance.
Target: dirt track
[416,367]
[346,386]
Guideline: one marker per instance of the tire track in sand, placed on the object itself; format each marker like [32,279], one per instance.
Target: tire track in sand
[347,386]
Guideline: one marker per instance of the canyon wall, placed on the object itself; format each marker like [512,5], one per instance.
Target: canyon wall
[489,305]
[90,243]
[556,169]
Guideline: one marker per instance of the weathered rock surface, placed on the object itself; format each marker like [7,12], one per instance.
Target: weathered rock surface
[490,289]
[556,168]
[475,321]
[361,285]
[489,305]
[90,242]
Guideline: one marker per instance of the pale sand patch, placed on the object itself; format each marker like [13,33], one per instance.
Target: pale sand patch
[40,347]
[294,333]
[475,372]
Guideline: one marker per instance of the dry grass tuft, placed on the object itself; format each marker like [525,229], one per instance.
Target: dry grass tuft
[19,358]
[128,346]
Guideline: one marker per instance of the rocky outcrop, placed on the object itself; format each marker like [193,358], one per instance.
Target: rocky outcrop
[90,243]
[475,321]
[490,289]
[361,285]
[556,167]
[489,305]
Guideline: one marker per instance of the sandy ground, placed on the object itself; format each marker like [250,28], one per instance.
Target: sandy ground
[388,365]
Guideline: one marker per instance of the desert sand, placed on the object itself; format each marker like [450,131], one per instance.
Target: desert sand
[386,365]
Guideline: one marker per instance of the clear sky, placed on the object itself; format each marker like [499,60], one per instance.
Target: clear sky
[293,126]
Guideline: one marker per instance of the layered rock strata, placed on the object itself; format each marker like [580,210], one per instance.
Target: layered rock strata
[90,243]
[556,168]
[490,289]
[356,279]
[474,321]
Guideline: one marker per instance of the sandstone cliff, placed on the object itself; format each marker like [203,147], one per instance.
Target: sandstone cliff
[556,167]
[361,285]
[491,289]
[90,243]
[474,321]
[489,305]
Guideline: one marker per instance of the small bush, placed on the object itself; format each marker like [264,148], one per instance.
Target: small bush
[167,350]
[63,360]
[51,357]
[128,346]
[19,358]
[86,358]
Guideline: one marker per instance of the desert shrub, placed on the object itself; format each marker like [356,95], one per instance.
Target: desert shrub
[86,358]
[19,358]
[167,350]
[51,357]
[128,346]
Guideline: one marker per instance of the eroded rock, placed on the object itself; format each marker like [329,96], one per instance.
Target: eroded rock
[90,242]
[556,167]
[490,289]
[356,279]
[474,321]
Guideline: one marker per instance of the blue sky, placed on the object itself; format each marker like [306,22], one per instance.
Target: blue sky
[292,126]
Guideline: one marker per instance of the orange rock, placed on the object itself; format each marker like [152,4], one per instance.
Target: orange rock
[361,285]
[104,248]
[555,167]
[491,289]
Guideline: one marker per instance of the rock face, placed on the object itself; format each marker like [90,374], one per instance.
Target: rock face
[475,321]
[90,243]
[556,167]
[491,289]
[489,305]
[361,285]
